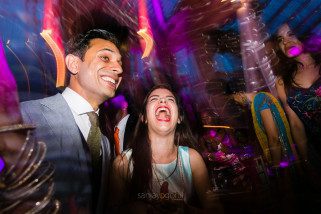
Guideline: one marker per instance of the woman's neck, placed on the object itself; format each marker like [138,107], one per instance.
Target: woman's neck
[305,59]
[163,149]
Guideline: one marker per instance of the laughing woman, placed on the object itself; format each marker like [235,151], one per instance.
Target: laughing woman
[160,172]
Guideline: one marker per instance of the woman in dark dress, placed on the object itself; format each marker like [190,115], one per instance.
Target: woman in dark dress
[299,89]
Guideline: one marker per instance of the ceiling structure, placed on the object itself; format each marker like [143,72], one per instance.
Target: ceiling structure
[197,43]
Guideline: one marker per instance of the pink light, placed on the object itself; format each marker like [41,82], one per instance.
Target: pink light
[294,51]
[9,101]
[284,164]
[51,21]
[212,133]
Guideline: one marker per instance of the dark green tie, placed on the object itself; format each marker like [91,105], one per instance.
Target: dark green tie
[94,139]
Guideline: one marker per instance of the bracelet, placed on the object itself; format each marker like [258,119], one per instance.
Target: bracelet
[16,127]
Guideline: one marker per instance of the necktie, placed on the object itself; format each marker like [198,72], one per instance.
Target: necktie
[117,142]
[94,139]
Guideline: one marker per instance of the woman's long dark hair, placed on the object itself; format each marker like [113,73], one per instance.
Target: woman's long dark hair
[286,68]
[141,150]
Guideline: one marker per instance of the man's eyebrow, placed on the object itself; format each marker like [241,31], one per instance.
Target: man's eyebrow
[107,49]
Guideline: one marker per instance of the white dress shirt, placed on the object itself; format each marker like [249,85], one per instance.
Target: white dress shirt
[122,126]
[79,108]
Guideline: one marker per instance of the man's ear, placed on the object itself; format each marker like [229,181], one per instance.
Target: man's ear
[73,63]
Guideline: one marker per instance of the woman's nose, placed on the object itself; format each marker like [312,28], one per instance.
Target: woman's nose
[162,100]
[285,41]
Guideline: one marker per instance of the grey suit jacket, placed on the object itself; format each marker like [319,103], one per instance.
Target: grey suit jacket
[68,152]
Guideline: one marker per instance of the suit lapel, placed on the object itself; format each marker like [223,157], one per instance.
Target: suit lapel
[68,133]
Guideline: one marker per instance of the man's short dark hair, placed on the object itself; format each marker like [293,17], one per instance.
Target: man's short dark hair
[80,43]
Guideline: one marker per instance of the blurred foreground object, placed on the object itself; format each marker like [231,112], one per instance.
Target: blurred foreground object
[26,182]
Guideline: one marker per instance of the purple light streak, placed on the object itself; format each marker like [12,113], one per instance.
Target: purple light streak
[9,102]
[159,14]
[1,164]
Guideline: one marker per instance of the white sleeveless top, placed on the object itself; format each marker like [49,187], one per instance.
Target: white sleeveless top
[169,183]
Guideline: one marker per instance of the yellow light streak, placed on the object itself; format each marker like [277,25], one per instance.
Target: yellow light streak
[217,127]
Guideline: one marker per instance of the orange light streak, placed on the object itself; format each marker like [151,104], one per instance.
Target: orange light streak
[149,42]
[52,35]
[59,57]
[144,29]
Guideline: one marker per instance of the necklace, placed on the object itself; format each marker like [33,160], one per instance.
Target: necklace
[164,184]
[164,179]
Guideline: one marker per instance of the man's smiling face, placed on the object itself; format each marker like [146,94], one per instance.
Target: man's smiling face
[98,75]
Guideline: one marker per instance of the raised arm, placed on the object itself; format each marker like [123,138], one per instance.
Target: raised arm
[209,200]
[273,136]
[296,125]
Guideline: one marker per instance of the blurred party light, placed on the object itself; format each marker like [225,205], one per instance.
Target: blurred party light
[119,102]
[144,29]
[1,164]
[232,1]
[59,57]
[217,127]
[284,164]
[294,51]
[9,101]
[257,63]
[2,61]
[52,35]
[212,133]
[149,42]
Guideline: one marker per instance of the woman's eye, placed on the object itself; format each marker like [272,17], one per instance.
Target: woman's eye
[291,35]
[171,100]
[280,40]
[153,99]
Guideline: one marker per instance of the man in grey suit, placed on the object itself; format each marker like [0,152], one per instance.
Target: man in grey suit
[64,123]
